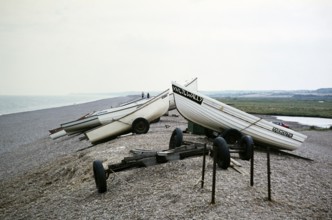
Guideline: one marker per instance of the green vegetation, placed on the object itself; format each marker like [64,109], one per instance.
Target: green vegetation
[282,106]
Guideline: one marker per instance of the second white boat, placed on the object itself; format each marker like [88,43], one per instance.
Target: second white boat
[218,116]
[137,121]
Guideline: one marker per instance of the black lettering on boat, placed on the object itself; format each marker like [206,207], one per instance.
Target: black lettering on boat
[193,97]
[282,132]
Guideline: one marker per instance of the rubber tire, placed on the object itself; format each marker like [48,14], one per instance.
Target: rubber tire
[100,176]
[232,135]
[176,138]
[247,144]
[223,155]
[140,126]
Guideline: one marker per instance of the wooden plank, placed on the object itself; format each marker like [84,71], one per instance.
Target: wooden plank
[238,169]
[236,162]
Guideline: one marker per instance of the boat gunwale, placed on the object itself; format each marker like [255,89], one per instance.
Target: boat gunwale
[79,122]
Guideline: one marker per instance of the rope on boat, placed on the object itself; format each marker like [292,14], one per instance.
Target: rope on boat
[251,124]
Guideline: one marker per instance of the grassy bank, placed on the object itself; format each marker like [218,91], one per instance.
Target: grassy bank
[281,106]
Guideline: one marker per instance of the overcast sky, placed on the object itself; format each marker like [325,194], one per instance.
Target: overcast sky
[84,46]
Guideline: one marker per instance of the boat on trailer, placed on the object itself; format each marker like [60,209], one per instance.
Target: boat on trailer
[95,119]
[102,117]
[137,121]
[220,117]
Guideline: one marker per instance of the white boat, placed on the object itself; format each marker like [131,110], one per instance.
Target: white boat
[95,119]
[101,117]
[137,121]
[191,85]
[218,116]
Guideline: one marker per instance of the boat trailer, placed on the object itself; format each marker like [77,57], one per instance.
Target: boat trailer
[178,150]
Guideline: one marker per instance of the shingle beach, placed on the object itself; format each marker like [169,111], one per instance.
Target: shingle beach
[41,178]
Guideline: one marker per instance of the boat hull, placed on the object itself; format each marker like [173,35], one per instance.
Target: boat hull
[151,110]
[99,119]
[58,134]
[191,85]
[218,116]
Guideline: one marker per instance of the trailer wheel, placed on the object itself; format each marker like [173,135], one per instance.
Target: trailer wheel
[231,135]
[176,138]
[247,145]
[223,155]
[140,126]
[100,176]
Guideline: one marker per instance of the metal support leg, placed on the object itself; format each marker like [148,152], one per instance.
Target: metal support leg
[203,168]
[214,175]
[268,174]
[252,168]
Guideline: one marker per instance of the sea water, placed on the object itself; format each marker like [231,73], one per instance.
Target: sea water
[311,121]
[15,104]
